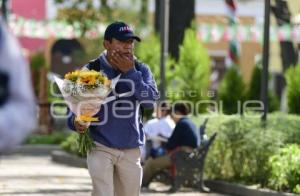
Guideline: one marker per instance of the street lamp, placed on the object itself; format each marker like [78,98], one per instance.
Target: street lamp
[266,47]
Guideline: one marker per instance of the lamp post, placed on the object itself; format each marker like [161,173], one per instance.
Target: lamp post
[164,38]
[264,76]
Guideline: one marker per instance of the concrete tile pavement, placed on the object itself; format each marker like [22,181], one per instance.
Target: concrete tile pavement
[22,175]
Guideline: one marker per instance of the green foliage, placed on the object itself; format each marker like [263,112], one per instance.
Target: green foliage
[54,138]
[231,90]
[37,61]
[293,89]
[242,148]
[84,15]
[192,71]
[254,90]
[148,51]
[71,144]
[289,125]
[81,14]
[285,169]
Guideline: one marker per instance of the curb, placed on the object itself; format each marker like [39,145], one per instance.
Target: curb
[63,157]
[36,149]
[241,190]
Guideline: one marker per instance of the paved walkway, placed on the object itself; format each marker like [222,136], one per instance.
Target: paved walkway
[36,175]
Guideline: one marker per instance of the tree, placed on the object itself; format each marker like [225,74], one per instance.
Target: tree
[106,10]
[148,51]
[157,15]
[182,13]
[255,89]
[231,90]
[144,12]
[293,89]
[83,13]
[192,71]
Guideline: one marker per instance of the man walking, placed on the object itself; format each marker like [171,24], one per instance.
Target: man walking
[114,164]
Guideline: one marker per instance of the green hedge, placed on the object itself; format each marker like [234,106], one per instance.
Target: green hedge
[54,138]
[242,148]
[71,145]
[285,169]
[293,89]
[231,90]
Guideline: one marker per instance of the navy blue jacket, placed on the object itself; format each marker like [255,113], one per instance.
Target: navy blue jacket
[116,131]
[184,134]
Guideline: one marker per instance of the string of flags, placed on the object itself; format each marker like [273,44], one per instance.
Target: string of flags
[207,32]
[245,33]
[234,46]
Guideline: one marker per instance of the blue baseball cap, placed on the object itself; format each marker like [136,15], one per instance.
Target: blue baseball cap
[120,31]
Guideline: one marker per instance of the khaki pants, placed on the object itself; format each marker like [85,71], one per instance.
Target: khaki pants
[115,172]
[153,166]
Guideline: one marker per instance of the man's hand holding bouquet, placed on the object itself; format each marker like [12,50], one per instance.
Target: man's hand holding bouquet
[84,92]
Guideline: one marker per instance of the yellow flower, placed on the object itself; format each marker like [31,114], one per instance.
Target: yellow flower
[87,80]
[91,73]
[88,77]
[86,118]
[72,75]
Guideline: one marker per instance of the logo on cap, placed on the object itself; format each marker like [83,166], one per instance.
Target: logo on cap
[125,28]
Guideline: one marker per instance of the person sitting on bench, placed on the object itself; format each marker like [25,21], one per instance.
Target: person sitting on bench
[158,131]
[183,138]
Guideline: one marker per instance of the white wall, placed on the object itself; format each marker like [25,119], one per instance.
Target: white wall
[254,8]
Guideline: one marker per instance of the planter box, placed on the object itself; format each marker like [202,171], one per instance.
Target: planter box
[236,189]
[63,157]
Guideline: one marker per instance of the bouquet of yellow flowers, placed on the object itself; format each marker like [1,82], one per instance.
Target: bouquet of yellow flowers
[84,92]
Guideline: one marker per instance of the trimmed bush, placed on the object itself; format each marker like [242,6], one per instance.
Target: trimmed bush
[285,169]
[54,138]
[231,90]
[192,71]
[70,144]
[254,90]
[242,148]
[293,89]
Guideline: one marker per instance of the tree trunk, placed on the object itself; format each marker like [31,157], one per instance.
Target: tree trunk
[288,52]
[106,10]
[182,12]
[44,112]
[144,12]
[157,16]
